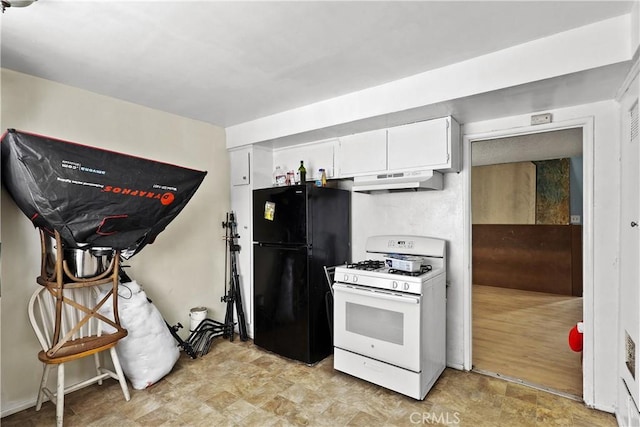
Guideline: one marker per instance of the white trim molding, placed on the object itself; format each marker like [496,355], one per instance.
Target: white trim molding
[587,125]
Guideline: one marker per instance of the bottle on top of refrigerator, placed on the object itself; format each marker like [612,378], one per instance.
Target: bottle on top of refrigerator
[279,177]
[322,180]
[303,172]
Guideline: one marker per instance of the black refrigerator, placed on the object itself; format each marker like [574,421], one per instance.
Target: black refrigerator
[297,230]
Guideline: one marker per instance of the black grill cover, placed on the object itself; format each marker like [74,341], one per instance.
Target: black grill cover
[93,197]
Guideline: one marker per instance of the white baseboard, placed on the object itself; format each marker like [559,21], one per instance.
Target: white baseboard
[457,366]
[17,407]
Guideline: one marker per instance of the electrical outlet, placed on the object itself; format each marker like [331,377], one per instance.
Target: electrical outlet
[575,219]
[540,119]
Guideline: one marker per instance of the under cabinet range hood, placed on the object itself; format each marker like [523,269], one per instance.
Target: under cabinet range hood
[398,181]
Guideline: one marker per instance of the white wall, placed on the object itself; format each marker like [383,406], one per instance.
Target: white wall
[601,369]
[425,213]
[183,268]
[441,214]
[588,47]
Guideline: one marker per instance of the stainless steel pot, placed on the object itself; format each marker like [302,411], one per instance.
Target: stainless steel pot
[82,263]
[50,254]
[88,262]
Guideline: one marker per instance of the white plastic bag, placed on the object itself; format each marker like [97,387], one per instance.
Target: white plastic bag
[149,351]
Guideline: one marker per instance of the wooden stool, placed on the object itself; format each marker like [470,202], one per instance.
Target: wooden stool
[66,319]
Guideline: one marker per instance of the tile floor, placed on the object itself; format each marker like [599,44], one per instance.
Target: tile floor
[238,384]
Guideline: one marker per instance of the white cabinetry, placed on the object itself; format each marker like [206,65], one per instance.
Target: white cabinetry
[627,412]
[240,167]
[428,145]
[240,163]
[629,334]
[315,155]
[432,144]
[421,146]
[362,153]
[251,167]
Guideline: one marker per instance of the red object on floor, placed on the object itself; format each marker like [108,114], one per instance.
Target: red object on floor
[575,338]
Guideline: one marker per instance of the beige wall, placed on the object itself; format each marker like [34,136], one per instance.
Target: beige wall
[504,194]
[184,268]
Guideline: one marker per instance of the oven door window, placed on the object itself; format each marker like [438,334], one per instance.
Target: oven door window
[382,326]
[388,327]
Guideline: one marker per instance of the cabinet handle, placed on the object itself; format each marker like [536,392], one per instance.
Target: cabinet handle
[634,224]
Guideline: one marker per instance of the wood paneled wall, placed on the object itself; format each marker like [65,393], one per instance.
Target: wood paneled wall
[504,194]
[543,258]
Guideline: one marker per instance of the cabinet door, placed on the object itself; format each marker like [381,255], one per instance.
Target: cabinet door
[315,155]
[241,206]
[630,240]
[362,153]
[422,145]
[239,160]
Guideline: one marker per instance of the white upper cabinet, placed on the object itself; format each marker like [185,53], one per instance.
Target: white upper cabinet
[432,144]
[239,163]
[362,153]
[315,155]
[429,145]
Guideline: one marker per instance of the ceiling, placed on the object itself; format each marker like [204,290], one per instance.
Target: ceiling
[549,145]
[227,63]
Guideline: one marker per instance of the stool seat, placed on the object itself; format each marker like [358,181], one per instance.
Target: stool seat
[82,347]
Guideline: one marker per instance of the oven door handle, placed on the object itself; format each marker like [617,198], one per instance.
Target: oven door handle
[375,294]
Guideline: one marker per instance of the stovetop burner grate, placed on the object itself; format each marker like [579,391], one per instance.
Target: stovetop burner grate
[374,265]
[369,265]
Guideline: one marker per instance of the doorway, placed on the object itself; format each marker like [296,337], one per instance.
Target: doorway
[526,244]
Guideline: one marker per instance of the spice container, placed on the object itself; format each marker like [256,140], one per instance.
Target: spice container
[290,179]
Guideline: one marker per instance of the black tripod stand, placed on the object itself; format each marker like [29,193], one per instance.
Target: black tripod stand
[232,294]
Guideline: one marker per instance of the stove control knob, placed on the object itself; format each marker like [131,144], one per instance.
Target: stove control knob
[346,277]
[395,285]
[355,278]
[406,286]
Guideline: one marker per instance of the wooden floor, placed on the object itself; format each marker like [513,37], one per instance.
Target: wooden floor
[523,335]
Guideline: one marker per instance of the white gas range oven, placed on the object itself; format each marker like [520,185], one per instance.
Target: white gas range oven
[390,314]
